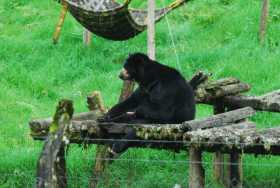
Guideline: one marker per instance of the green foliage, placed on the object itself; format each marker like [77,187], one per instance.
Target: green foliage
[218,36]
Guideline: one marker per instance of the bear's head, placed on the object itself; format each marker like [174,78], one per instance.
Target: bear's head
[135,67]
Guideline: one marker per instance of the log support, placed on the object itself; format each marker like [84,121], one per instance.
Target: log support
[235,170]
[95,102]
[51,167]
[99,165]
[102,152]
[196,171]
[218,161]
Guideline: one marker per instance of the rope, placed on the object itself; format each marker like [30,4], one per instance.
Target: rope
[176,3]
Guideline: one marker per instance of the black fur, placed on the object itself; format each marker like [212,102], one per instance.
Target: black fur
[163,95]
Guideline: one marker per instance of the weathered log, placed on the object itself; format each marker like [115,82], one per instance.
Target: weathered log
[92,132]
[51,167]
[196,171]
[225,139]
[208,92]
[218,120]
[269,102]
[80,130]
[41,126]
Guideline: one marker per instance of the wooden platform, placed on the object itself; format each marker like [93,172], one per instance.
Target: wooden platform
[228,132]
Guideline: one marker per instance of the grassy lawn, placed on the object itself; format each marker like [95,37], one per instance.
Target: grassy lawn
[217,36]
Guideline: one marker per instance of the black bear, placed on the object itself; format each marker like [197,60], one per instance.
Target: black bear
[163,96]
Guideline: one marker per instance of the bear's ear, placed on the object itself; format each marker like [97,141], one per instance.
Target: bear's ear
[143,58]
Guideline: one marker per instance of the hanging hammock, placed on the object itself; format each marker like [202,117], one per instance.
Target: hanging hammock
[112,20]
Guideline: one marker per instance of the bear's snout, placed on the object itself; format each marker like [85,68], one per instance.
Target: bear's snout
[124,75]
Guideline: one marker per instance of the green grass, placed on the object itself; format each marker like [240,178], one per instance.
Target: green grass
[217,36]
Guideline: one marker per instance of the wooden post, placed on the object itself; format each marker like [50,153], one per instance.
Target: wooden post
[218,162]
[151,29]
[218,167]
[196,171]
[102,154]
[87,37]
[51,167]
[100,164]
[60,22]
[95,102]
[235,170]
[263,20]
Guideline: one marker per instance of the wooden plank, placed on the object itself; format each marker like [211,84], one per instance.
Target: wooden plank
[151,29]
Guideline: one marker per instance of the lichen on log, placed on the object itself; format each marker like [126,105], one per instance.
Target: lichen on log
[248,140]
[218,120]
[209,91]
[51,166]
[268,102]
